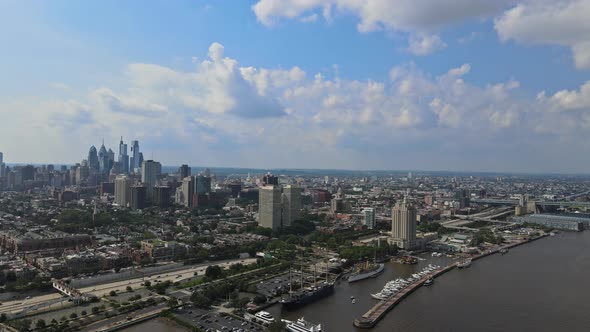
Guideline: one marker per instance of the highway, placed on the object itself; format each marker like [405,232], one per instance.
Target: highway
[100,290]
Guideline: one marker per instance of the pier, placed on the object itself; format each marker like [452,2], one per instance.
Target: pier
[372,317]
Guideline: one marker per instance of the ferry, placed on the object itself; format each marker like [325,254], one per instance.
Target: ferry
[367,271]
[264,317]
[301,325]
[464,264]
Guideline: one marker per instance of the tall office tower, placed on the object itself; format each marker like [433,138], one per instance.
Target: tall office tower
[203,184]
[369,217]
[184,171]
[1,157]
[28,172]
[150,171]
[269,207]
[270,179]
[207,172]
[188,191]
[291,205]
[403,225]
[123,157]
[123,190]
[103,159]
[140,160]
[134,160]
[138,197]
[111,155]
[162,196]
[93,159]
[462,195]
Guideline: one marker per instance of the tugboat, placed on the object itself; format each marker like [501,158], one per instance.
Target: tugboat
[428,282]
[464,264]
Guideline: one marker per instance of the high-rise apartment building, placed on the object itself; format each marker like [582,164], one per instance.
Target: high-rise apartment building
[138,197]
[270,207]
[150,171]
[161,196]
[123,190]
[291,205]
[370,220]
[403,225]
[188,191]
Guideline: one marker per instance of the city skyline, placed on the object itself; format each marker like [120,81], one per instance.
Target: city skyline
[439,85]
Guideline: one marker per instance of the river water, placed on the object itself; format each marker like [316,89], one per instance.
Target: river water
[539,286]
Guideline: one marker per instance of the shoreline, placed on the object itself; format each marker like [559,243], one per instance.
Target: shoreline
[378,311]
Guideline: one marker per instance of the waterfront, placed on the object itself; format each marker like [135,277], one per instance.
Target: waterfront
[536,286]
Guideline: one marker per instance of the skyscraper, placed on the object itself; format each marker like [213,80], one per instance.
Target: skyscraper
[184,171]
[150,171]
[134,161]
[269,207]
[103,159]
[93,162]
[123,157]
[1,158]
[270,179]
[403,225]
[369,217]
[203,184]
[162,196]
[2,166]
[291,205]
[122,190]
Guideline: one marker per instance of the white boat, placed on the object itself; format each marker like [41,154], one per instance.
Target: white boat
[353,301]
[301,325]
[264,317]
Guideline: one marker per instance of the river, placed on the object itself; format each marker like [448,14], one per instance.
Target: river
[539,286]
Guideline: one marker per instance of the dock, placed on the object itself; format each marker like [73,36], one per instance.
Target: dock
[374,315]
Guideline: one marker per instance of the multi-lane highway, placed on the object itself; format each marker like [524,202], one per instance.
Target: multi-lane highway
[100,290]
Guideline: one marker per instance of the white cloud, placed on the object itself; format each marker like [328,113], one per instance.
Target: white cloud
[557,22]
[421,19]
[425,44]
[568,99]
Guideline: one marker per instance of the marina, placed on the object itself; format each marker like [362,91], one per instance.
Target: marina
[377,312]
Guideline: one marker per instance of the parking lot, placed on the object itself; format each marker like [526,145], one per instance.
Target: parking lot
[212,322]
[280,284]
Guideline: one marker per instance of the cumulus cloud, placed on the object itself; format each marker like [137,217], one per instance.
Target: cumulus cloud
[222,110]
[556,22]
[422,19]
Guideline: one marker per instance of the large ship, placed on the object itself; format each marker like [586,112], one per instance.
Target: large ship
[307,295]
[301,325]
[367,271]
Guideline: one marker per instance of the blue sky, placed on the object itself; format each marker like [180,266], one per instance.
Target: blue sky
[378,84]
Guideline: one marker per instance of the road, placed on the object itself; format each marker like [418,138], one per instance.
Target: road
[100,290]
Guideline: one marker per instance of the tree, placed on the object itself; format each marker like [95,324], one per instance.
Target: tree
[54,322]
[73,315]
[259,299]
[129,289]
[41,324]
[84,313]
[200,300]
[95,310]
[213,272]
[3,318]
[148,283]
[113,293]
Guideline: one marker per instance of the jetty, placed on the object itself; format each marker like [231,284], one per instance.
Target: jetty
[374,315]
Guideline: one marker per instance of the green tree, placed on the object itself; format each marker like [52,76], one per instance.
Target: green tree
[129,289]
[73,315]
[213,272]
[113,293]
[41,324]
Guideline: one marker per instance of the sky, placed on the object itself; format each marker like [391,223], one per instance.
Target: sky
[455,85]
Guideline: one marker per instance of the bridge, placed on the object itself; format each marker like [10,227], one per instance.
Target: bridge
[515,202]
[71,292]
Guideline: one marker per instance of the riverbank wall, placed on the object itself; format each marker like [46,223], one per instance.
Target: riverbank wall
[377,312]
